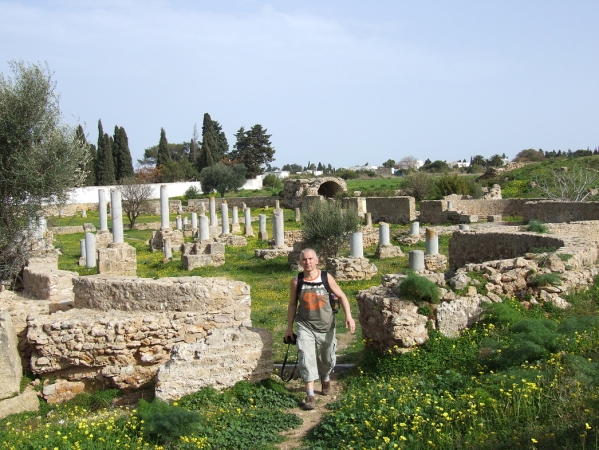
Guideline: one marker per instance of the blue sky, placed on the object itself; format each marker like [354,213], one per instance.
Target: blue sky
[339,82]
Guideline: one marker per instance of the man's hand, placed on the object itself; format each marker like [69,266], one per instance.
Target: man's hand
[351,324]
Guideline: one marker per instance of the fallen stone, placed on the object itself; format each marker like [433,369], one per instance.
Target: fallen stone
[28,401]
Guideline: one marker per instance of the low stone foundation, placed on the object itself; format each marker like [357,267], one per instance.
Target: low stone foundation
[43,280]
[388,251]
[156,241]
[347,269]
[117,259]
[202,253]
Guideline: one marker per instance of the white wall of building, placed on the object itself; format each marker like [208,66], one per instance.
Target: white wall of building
[89,194]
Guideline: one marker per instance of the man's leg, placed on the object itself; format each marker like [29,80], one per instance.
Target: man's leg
[326,344]
[307,365]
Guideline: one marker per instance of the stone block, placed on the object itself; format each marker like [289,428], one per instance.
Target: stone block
[435,263]
[10,361]
[352,268]
[62,391]
[468,218]
[46,282]
[117,259]
[190,262]
[387,251]
[220,360]
[453,317]
[28,401]
[494,218]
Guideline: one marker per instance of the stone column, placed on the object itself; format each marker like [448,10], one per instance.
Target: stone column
[84,213]
[82,247]
[180,208]
[279,228]
[164,208]
[243,206]
[416,260]
[248,222]
[277,207]
[43,224]
[356,245]
[34,229]
[449,206]
[414,228]
[235,221]
[213,218]
[117,216]
[432,242]
[166,245]
[194,220]
[224,212]
[297,215]
[179,223]
[204,230]
[368,219]
[384,233]
[185,221]
[102,210]
[262,233]
[90,250]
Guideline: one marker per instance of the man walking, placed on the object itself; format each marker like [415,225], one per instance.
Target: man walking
[309,306]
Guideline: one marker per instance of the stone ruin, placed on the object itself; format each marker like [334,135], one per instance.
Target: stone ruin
[294,190]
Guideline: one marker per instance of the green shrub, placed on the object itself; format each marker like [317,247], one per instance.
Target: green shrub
[424,310]
[165,422]
[193,192]
[347,174]
[326,226]
[565,257]
[272,181]
[537,227]
[546,279]
[420,288]
[455,184]
[96,400]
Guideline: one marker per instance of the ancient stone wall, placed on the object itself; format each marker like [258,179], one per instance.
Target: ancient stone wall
[43,280]
[72,209]
[475,247]
[553,211]
[250,202]
[73,229]
[391,209]
[294,190]
[435,211]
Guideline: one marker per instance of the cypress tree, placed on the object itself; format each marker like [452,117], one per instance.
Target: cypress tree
[209,144]
[90,166]
[122,155]
[116,153]
[164,155]
[105,161]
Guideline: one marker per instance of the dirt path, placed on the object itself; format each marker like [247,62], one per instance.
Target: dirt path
[312,418]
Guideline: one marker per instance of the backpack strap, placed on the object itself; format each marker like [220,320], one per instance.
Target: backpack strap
[323,276]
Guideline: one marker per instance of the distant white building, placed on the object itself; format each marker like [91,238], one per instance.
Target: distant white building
[278,173]
[459,164]
[360,168]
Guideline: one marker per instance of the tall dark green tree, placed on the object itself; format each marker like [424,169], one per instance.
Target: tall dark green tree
[164,155]
[253,149]
[89,166]
[222,145]
[104,161]
[123,164]
[194,148]
[209,144]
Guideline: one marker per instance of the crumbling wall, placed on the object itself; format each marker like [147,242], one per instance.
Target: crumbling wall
[391,209]
[436,211]
[555,211]
[250,202]
[294,190]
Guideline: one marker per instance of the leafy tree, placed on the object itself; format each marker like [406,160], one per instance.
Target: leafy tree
[222,178]
[478,160]
[419,185]
[292,168]
[530,155]
[105,162]
[135,197]
[389,164]
[178,171]
[123,164]
[272,181]
[408,164]
[455,184]
[347,174]
[163,155]
[89,166]
[253,149]
[326,226]
[437,166]
[495,161]
[40,158]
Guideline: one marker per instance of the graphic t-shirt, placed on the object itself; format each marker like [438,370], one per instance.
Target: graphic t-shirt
[314,309]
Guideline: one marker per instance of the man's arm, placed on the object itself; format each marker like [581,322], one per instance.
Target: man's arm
[292,307]
[349,320]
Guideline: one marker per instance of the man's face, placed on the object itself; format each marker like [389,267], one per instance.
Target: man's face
[309,260]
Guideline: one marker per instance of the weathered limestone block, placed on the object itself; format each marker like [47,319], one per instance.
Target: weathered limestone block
[62,391]
[494,218]
[352,268]
[202,253]
[468,218]
[233,240]
[10,361]
[221,359]
[459,281]
[435,263]
[117,259]
[553,298]
[46,282]
[390,323]
[156,241]
[270,253]
[103,238]
[200,295]
[28,401]
[454,316]
[387,251]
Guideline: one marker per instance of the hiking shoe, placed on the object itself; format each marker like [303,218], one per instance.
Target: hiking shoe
[309,403]
[326,388]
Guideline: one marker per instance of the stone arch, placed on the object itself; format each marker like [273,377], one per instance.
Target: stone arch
[296,189]
[329,189]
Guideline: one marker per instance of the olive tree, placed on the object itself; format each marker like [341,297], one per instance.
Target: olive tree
[222,178]
[326,226]
[40,158]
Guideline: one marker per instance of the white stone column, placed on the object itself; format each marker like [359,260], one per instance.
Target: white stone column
[356,245]
[34,229]
[179,223]
[432,242]
[43,224]
[277,204]
[194,220]
[235,216]
[213,218]
[90,250]
[384,233]
[164,207]
[416,260]
[224,213]
[414,228]
[84,213]
[166,245]
[102,210]
[449,206]
[248,222]
[204,229]
[368,219]
[117,216]
[262,233]
[82,247]
[279,228]
[297,215]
